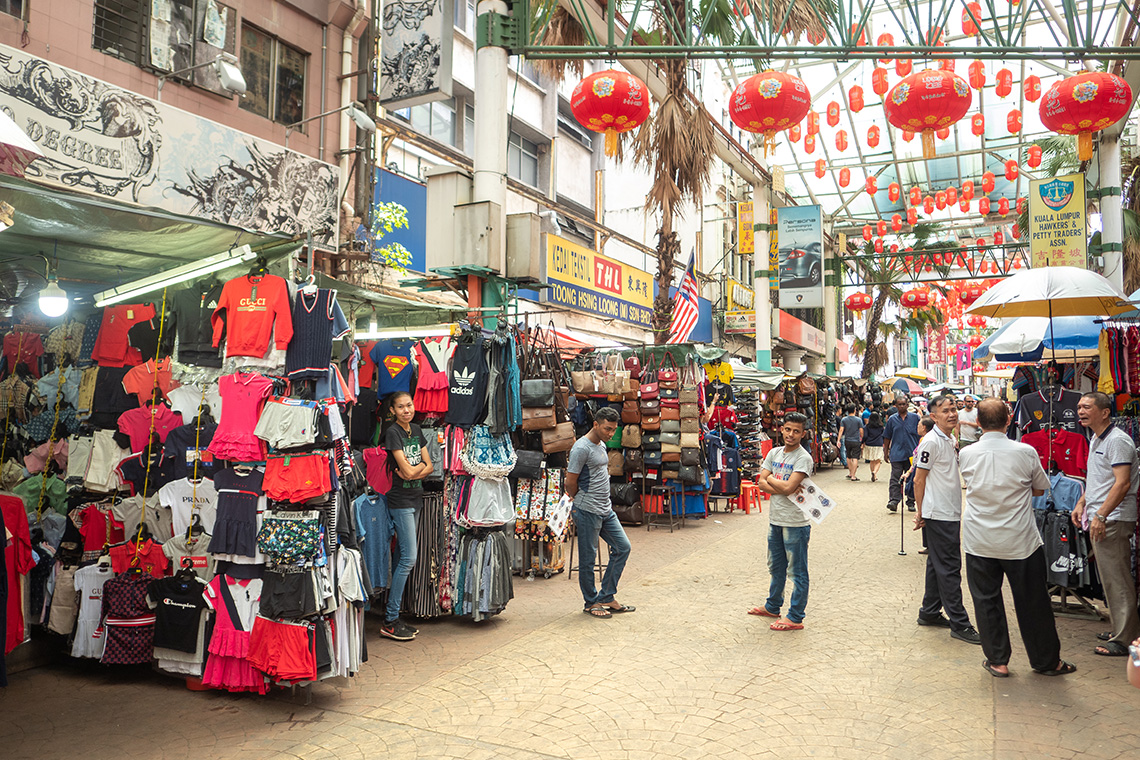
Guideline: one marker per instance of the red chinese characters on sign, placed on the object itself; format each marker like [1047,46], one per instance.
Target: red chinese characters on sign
[936,348]
[607,276]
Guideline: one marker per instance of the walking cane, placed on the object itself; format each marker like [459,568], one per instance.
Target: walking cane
[902,526]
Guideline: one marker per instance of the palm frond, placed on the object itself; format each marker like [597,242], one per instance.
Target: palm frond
[563,29]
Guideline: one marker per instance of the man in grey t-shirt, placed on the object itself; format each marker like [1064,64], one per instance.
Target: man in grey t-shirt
[851,427]
[588,484]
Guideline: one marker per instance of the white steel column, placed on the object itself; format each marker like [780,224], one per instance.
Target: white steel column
[1111,215]
[491,117]
[762,300]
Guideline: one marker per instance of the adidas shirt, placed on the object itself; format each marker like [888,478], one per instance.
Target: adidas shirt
[998,520]
[943,498]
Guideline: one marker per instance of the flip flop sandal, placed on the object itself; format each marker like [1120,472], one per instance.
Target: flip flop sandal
[1104,636]
[761,612]
[778,626]
[1111,649]
[621,609]
[995,673]
[598,612]
[1065,669]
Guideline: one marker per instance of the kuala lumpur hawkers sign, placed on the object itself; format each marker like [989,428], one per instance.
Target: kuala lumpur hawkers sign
[110,142]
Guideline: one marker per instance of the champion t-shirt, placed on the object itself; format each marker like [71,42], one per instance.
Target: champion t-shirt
[405,494]
[178,604]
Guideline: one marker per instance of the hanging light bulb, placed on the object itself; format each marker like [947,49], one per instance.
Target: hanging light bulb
[53,301]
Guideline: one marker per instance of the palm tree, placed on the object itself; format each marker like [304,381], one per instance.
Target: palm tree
[890,274]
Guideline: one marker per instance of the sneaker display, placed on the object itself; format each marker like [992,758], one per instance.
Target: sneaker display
[397,630]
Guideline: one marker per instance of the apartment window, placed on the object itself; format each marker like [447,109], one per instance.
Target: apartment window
[12,7]
[274,75]
[522,159]
[469,128]
[435,119]
[118,29]
[571,128]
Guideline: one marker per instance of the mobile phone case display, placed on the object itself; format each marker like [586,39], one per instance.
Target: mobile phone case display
[204,523]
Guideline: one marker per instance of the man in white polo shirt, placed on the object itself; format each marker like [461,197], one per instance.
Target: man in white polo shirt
[938,494]
[1000,537]
[1110,503]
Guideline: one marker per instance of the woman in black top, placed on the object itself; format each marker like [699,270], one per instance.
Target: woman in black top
[408,456]
[873,443]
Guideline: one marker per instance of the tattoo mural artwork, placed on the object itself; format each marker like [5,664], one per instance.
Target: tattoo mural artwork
[117,144]
[415,60]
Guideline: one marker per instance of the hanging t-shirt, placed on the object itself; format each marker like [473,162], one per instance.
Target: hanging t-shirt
[179,548]
[178,605]
[1038,410]
[405,493]
[467,391]
[317,322]
[189,444]
[1069,450]
[190,314]
[367,368]
[23,348]
[137,424]
[18,561]
[144,379]
[188,399]
[251,310]
[187,498]
[719,372]
[109,399]
[112,346]
[394,368]
[151,558]
[144,337]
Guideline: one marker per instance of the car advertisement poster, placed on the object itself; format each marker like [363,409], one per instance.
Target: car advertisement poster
[1057,226]
[800,231]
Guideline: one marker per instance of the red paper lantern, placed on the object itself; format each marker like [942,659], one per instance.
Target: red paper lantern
[985,267]
[951,195]
[999,237]
[809,144]
[928,205]
[862,35]
[1004,83]
[873,136]
[978,124]
[768,103]
[878,245]
[975,340]
[894,248]
[903,66]
[971,293]
[1015,232]
[976,320]
[980,242]
[885,40]
[968,189]
[1011,170]
[610,102]
[977,75]
[879,80]
[832,114]
[896,222]
[1034,156]
[794,133]
[881,227]
[1083,104]
[867,232]
[946,64]
[984,206]
[844,177]
[915,196]
[915,298]
[926,101]
[1013,121]
[912,216]
[987,182]
[964,204]
[942,134]
[907,135]
[1003,206]
[820,168]
[1017,262]
[858,302]
[841,140]
[893,192]
[1032,88]
[812,123]
[855,99]
[940,199]
[971,17]
[1020,203]
[872,185]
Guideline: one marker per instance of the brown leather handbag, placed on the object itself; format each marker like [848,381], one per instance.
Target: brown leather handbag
[670,413]
[650,406]
[806,385]
[630,413]
[616,464]
[631,437]
[558,438]
[650,422]
[538,418]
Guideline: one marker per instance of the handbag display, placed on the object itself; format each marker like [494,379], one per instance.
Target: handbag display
[634,460]
[650,422]
[624,494]
[671,413]
[692,440]
[689,474]
[649,406]
[651,458]
[633,366]
[558,438]
[631,437]
[690,456]
[690,425]
[534,418]
[670,426]
[615,441]
[582,381]
[537,393]
[670,474]
[529,465]
[670,403]
[689,395]
[671,456]
[689,410]
[668,393]
[651,441]
[668,378]
[805,385]
[630,412]
[672,439]
[649,390]
[632,389]
[616,464]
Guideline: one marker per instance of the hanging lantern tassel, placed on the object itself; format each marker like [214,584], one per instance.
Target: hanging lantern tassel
[612,143]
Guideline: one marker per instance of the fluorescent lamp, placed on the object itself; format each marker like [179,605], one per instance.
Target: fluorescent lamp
[415,332]
[200,268]
[53,299]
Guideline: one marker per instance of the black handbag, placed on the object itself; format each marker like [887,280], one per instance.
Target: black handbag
[652,458]
[690,457]
[537,393]
[529,465]
[634,460]
[651,442]
[625,494]
[689,474]
[669,393]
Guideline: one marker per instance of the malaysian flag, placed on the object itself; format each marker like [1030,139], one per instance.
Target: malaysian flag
[685,307]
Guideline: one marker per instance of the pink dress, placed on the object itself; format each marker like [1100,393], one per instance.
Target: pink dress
[227,667]
[242,398]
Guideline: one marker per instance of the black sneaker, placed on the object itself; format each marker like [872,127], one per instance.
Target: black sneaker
[910,508]
[415,631]
[892,507]
[938,622]
[397,630]
[968,635]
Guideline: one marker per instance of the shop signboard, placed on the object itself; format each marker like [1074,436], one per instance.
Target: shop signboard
[745,233]
[414,52]
[773,253]
[800,262]
[114,143]
[739,322]
[586,280]
[1058,233]
[800,333]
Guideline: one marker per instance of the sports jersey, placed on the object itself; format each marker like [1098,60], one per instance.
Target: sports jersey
[721,372]
[1037,410]
[393,360]
[251,310]
[1069,450]
[943,497]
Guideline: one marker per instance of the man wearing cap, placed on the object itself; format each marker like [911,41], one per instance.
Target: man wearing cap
[968,429]
[899,440]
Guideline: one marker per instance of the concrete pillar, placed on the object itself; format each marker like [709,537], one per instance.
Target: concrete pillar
[762,278]
[818,366]
[830,281]
[1112,218]
[793,360]
[490,182]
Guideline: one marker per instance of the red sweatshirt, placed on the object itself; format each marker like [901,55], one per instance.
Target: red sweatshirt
[251,305]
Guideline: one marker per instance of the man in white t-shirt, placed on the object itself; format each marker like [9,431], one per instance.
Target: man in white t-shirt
[968,429]
[938,495]
[1001,540]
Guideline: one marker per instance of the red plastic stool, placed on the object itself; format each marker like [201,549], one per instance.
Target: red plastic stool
[749,497]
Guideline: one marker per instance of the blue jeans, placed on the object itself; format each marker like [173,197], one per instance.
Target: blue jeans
[590,527]
[404,521]
[787,547]
[842,446]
